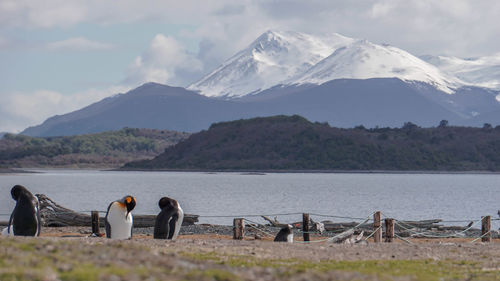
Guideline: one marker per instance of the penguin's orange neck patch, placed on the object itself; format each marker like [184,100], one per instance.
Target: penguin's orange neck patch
[121,204]
[128,199]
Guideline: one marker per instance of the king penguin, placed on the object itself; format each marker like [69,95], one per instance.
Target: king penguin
[285,235]
[169,220]
[25,218]
[119,219]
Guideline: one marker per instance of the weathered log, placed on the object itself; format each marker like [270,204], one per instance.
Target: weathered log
[54,214]
[355,239]
[330,226]
[274,222]
[342,236]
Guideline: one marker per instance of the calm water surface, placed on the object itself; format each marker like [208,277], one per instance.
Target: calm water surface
[403,196]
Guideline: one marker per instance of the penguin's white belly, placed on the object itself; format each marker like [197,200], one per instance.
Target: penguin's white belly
[121,226]
[289,238]
[178,224]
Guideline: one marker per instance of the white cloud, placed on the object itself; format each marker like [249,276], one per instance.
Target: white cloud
[163,62]
[456,27]
[79,44]
[20,110]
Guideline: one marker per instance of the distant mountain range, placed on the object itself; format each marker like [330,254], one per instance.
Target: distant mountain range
[481,72]
[330,78]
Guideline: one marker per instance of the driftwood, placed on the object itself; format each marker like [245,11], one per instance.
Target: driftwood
[356,239]
[402,228]
[54,214]
[342,236]
[274,222]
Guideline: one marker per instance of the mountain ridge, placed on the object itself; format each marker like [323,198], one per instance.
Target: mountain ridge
[323,78]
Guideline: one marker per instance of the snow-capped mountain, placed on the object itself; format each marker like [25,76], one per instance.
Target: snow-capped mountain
[274,57]
[363,60]
[279,57]
[481,72]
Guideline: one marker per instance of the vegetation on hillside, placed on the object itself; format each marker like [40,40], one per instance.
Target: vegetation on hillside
[294,143]
[102,149]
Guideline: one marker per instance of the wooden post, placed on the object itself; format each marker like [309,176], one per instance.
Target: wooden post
[95,222]
[485,229]
[389,230]
[377,237]
[238,229]
[305,227]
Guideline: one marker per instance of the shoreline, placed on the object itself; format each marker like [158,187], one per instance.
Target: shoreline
[37,170]
[258,172]
[16,171]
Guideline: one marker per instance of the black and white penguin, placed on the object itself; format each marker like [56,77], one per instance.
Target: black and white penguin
[25,218]
[119,219]
[169,220]
[285,235]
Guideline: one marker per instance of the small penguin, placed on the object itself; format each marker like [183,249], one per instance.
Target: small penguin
[25,218]
[169,220]
[285,235]
[118,219]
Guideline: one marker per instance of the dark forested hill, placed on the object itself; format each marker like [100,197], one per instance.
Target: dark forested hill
[292,142]
[105,149]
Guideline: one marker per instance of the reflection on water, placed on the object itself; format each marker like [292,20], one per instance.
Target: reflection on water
[403,196]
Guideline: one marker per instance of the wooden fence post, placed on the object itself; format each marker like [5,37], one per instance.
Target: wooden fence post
[389,230]
[377,237]
[238,229]
[305,227]
[485,229]
[95,222]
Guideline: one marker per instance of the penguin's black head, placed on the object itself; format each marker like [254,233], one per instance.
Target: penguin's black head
[129,201]
[17,190]
[167,202]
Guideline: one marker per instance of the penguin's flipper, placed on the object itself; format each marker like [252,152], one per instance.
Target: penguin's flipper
[10,228]
[106,223]
[171,225]
[161,230]
[38,218]
[132,226]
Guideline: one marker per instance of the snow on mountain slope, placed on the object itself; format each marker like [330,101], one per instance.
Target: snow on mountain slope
[362,60]
[273,57]
[481,72]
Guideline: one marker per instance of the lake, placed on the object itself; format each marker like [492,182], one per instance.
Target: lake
[402,196]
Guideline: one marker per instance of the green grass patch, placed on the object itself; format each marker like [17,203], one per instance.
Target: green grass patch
[210,275]
[91,272]
[425,270]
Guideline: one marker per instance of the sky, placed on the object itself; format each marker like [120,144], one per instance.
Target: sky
[61,55]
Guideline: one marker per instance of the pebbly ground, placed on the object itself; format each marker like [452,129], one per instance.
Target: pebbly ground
[205,252]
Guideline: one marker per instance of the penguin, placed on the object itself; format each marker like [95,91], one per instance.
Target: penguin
[118,218]
[285,235]
[25,218]
[169,220]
